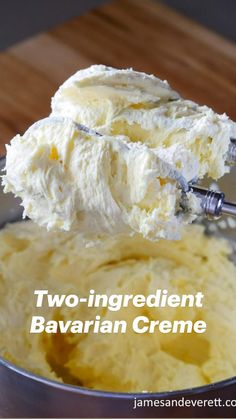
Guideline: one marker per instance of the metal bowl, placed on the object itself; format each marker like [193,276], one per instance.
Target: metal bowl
[23,394]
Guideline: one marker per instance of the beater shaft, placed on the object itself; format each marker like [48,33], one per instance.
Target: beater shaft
[213,203]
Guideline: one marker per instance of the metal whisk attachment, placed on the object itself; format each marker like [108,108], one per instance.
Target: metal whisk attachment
[213,203]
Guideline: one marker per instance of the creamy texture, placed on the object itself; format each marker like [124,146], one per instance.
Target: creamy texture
[98,186]
[31,258]
[146,109]
[129,179]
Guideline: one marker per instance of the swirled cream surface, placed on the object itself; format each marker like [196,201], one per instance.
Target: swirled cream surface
[33,259]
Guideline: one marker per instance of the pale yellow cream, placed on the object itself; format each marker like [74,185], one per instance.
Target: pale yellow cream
[130,179]
[31,258]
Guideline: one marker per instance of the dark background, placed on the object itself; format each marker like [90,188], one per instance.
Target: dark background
[20,19]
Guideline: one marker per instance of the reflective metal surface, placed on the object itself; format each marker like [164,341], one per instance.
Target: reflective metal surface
[23,394]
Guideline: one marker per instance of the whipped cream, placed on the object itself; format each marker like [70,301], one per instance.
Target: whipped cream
[127,180]
[98,185]
[146,109]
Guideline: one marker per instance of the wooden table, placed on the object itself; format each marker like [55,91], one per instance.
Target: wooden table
[123,33]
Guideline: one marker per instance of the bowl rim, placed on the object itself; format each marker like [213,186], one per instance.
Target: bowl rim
[110,394]
[193,391]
